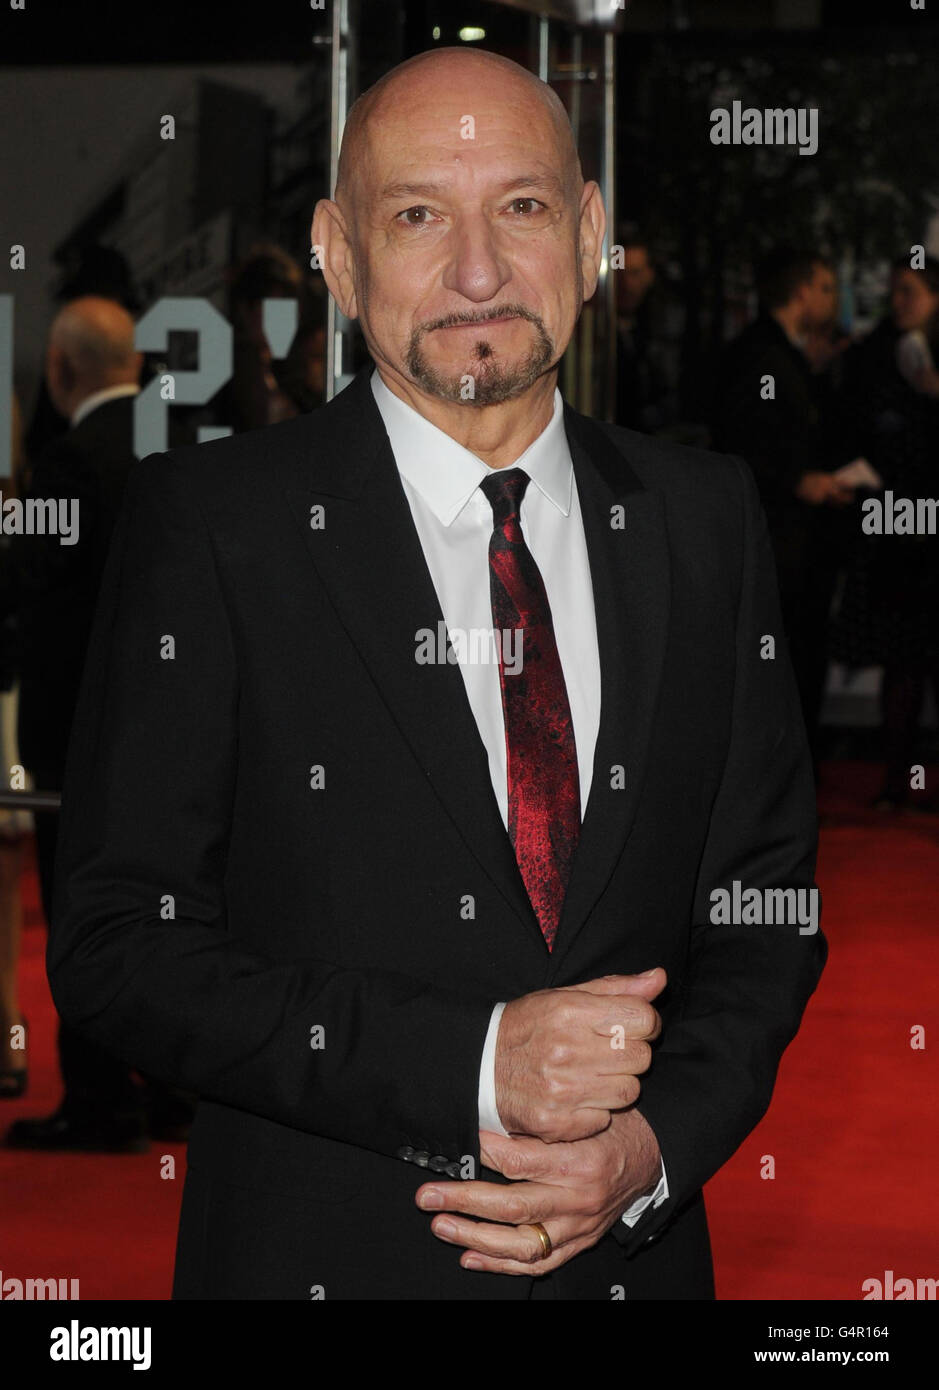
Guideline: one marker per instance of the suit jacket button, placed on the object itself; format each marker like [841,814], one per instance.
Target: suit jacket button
[439,1163]
[421,1159]
[405,1152]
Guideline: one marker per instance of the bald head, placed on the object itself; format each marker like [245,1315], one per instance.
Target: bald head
[97,337]
[91,347]
[446,71]
[462,235]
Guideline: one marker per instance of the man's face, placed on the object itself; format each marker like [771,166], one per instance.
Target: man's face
[464,224]
[820,299]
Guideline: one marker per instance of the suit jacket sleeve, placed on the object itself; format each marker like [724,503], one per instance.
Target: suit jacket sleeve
[745,986]
[140,955]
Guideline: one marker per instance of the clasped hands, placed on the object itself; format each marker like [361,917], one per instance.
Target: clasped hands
[568,1063]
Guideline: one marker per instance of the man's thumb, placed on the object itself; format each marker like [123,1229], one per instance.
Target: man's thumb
[648,984]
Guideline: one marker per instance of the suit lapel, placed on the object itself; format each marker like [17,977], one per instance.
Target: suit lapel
[629,566]
[369,558]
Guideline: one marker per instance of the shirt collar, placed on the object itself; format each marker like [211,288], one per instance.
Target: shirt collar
[446,475]
[110,393]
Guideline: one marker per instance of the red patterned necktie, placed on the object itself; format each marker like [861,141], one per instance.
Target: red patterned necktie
[543,785]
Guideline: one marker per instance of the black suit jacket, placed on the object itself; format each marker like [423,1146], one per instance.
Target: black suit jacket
[783,437]
[53,588]
[215,904]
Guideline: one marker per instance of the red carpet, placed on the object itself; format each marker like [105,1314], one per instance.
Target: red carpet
[853,1124]
[108,1221]
[852,1127]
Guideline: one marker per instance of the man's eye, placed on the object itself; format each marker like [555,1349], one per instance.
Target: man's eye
[525,206]
[414,217]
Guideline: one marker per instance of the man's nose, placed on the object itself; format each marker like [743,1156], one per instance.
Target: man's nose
[477,269]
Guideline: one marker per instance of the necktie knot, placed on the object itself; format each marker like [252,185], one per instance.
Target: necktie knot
[505,488]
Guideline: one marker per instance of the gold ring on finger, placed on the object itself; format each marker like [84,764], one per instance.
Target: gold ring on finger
[546,1246]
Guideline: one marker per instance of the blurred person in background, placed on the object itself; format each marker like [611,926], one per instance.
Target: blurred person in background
[771,406]
[888,616]
[92,373]
[263,390]
[646,394]
[87,269]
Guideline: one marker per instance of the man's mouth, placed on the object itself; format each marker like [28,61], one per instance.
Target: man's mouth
[483,323]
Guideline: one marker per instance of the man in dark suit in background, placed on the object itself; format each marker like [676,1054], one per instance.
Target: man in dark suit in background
[772,407]
[397,904]
[51,582]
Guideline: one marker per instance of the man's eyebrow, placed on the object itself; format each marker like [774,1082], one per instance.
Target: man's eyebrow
[547,182]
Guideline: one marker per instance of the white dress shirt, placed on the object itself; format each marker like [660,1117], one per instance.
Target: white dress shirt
[110,393]
[454,523]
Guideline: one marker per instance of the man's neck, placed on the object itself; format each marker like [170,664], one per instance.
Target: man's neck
[497,434]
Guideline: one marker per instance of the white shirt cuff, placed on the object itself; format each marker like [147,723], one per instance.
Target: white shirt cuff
[488,1113]
[656,1198]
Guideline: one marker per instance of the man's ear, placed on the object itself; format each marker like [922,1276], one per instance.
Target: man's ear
[330,235]
[592,231]
[58,374]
